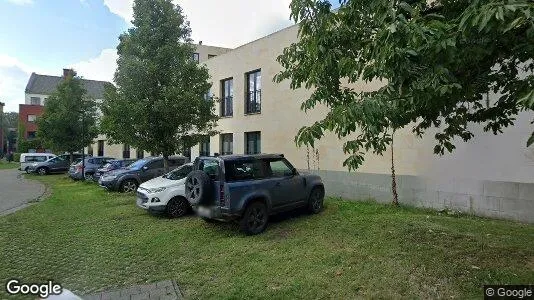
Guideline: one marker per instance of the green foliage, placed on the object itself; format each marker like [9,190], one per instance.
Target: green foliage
[69,120]
[437,61]
[158,104]
[16,157]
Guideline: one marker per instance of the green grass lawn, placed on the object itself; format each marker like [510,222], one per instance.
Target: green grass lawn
[91,240]
[6,165]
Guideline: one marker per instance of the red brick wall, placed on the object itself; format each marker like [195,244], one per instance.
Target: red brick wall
[24,111]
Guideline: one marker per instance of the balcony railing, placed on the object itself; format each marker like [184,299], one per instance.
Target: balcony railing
[253,102]
[227,107]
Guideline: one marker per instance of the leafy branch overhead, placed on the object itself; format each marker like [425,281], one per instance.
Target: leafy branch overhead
[442,64]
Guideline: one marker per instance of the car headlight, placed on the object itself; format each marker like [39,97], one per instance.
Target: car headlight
[157,190]
[109,177]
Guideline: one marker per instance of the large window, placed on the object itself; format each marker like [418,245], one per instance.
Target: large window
[125,151]
[227,97]
[253,97]
[100,148]
[205,147]
[32,118]
[35,101]
[140,154]
[227,144]
[196,57]
[252,142]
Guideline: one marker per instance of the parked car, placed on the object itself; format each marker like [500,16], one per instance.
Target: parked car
[27,159]
[75,156]
[53,165]
[249,188]
[112,165]
[166,194]
[128,179]
[85,171]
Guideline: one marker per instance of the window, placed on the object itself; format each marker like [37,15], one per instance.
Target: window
[101,148]
[176,162]
[205,147]
[210,167]
[196,57]
[158,164]
[90,150]
[244,170]
[279,168]
[125,151]
[227,96]
[208,96]
[32,118]
[35,101]
[140,154]
[179,173]
[227,144]
[35,159]
[211,56]
[32,135]
[253,101]
[252,142]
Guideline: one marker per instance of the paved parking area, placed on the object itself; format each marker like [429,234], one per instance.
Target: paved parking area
[17,192]
[163,290]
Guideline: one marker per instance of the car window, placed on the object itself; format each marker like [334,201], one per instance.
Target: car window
[279,168]
[176,162]
[244,170]
[179,173]
[158,164]
[209,166]
[35,158]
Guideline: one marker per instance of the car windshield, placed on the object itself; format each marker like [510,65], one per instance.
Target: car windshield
[56,159]
[179,173]
[137,165]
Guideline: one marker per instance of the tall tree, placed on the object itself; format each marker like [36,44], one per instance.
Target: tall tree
[438,62]
[159,103]
[68,123]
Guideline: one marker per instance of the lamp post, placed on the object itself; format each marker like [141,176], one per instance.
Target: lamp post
[83,147]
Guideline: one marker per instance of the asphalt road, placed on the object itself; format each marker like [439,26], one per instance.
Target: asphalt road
[16,192]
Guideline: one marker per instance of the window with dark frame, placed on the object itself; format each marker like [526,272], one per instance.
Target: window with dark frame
[101,148]
[205,147]
[125,151]
[140,154]
[32,118]
[227,144]
[227,96]
[35,101]
[253,142]
[90,150]
[253,96]
[196,57]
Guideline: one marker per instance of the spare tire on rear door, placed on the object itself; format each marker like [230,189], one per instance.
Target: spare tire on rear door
[198,188]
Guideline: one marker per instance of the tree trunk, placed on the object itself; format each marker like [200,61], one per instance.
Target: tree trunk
[166,163]
[393,179]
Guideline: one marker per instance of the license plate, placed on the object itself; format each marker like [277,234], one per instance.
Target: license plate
[204,212]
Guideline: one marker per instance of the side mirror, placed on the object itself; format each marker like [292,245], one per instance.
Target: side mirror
[295,172]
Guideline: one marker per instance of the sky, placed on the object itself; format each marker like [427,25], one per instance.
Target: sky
[45,36]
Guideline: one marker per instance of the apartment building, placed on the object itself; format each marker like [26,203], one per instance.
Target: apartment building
[489,175]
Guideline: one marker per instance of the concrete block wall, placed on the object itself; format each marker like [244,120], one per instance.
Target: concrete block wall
[494,199]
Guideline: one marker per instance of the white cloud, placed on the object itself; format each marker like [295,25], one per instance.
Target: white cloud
[229,23]
[21,2]
[13,78]
[98,68]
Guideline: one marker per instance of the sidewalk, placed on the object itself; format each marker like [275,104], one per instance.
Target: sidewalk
[163,290]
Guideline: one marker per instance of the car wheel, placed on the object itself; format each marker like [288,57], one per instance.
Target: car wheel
[42,171]
[88,177]
[27,170]
[315,202]
[198,188]
[177,207]
[129,186]
[254,219]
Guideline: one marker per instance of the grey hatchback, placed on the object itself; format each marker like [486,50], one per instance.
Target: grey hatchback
[90,166]
[53,165]
[249,188]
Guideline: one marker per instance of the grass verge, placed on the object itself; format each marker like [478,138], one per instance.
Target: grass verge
[4,165]
[91,240]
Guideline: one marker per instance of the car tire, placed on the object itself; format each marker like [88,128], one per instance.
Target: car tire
[27,170]
[177,207]
[208,220]
[315,201]
[42,171]
[88,176]
[198,189]
[128,186]
[254,220]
